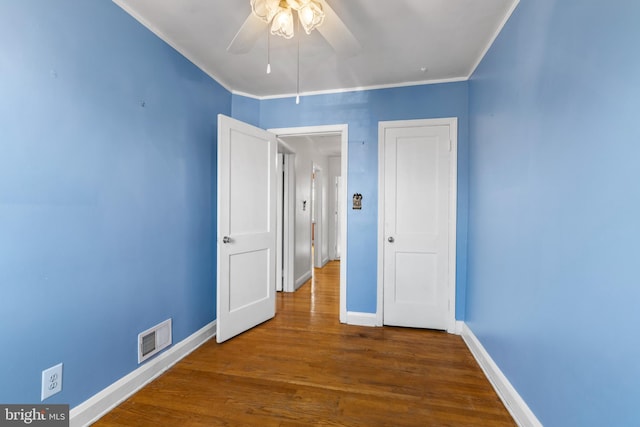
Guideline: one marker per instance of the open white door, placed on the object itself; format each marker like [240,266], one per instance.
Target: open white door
[246,227]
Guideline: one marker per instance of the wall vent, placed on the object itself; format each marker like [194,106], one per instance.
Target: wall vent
[154,340]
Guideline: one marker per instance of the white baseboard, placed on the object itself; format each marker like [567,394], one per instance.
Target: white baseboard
[514,403]
[98,405]
[303,279]
[459,324]
[362,319]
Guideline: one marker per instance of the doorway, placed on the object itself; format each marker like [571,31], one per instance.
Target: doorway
[300,256]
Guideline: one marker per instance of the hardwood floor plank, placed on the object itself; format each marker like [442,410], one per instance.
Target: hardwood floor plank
[305,368]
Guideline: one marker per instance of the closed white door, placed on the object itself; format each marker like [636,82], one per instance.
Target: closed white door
[246,227]
[416,215]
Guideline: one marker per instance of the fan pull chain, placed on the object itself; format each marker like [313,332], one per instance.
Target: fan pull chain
[298,78]
[268,51]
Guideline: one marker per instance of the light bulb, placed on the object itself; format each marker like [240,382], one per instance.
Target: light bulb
[306,15]
[311,16]
[265,9]
[283,23]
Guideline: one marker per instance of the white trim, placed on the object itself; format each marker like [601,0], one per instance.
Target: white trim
[104,401]
[514,403]
[289,222]
[353,89]
[245,94]
[452,122]
[362,319]
[303,279]
[459,326]
[453,221]
[280,221]
[169,41]
[344,173]
[343,129]
[317,183]
[493,39]
[287,239]
[309,130]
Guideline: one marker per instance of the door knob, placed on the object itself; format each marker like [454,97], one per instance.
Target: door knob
[391,239]
[226,239]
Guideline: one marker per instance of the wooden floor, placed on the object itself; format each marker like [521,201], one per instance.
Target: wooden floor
[305,368]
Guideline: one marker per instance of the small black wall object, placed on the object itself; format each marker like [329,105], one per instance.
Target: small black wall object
[357,201]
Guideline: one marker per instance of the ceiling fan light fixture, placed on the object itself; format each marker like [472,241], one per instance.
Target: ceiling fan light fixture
[297,4]
[311,15]
[279,14]
[265,9]
[282,24]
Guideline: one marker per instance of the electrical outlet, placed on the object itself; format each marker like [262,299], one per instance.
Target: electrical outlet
[51,381]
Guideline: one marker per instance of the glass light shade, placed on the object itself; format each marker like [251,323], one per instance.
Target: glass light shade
[265,9]
[282,24]
[297,4]
[311,15]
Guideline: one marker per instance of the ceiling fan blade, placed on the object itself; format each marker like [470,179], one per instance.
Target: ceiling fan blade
[247,35]
[337,34]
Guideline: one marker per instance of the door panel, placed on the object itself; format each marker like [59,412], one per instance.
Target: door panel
[416,188]
[246,227]
[249,183]
[408,266]
[257,289]
[416,226]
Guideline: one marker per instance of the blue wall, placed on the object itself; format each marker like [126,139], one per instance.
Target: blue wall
[362,111]
[554,216]
[107,194]
[245,109]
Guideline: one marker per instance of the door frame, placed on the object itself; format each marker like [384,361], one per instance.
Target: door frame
[452,122]
[343,129]
[317,206]
[286,233]
[337,214]
[280,221]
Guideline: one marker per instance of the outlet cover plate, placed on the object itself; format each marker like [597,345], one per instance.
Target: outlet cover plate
[51,381]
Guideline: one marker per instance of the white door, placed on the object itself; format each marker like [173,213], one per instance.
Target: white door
[417,191]
[246,227]
[280,223]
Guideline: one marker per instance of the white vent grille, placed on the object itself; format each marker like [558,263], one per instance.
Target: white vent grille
[154,340]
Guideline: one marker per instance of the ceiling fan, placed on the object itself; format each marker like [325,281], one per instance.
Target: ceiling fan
[311,14]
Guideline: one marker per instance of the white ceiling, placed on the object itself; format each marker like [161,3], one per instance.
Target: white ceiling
[398,39]
[325,144]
